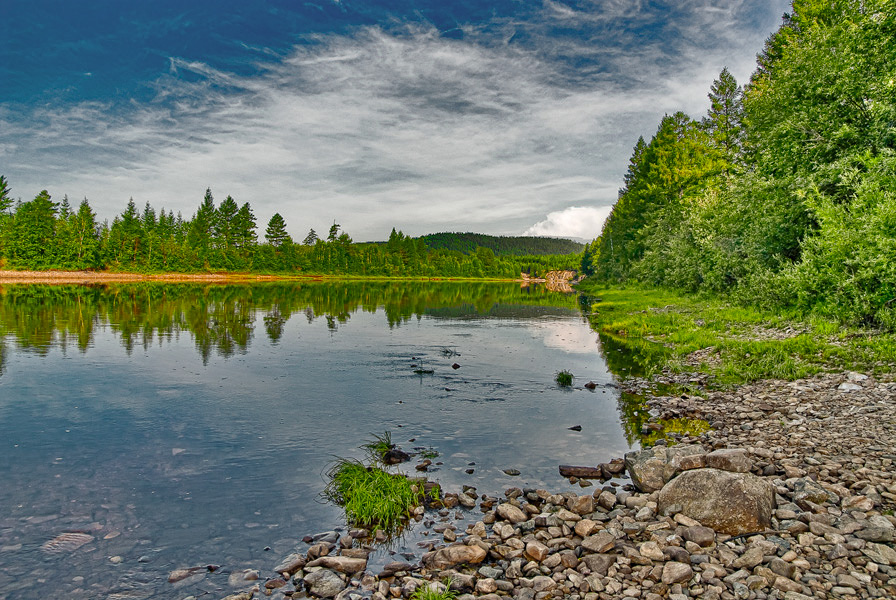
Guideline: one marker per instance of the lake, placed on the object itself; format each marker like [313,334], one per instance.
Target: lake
[147,427]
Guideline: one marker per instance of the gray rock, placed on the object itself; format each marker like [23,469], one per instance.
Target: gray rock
[511,513]
[454,555]
[732,503]
[599,543]
[676,572]
[343,564]
[729,459]
[599,563]
[324,583]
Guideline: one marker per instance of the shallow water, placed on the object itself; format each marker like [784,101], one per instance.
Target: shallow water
[191,425]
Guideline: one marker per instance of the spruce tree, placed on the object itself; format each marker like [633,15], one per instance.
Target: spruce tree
[275,233]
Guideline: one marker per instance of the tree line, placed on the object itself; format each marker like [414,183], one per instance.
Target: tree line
[502,245]
[42,234]
[785,192]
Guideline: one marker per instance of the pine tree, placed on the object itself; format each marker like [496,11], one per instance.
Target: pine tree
[275,233]
[5,200]
[34,230]
[224,219]
[202,227]
[244,226]
[311,238]
[724,122]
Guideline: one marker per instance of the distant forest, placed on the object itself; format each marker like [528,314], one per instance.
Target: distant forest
[784,194]
[42,234]
[502,245]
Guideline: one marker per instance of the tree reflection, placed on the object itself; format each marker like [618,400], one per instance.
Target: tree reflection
[221,318]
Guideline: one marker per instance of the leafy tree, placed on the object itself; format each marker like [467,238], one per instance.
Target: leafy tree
[275,233]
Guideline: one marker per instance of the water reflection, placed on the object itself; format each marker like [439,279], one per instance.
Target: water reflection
[221,318]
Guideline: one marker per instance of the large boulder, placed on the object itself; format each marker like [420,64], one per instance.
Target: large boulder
[651,468]
[732,503]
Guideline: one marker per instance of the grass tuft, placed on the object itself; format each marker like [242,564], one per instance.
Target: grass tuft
[371,497]
[564,378]
[435,591]
[377,448]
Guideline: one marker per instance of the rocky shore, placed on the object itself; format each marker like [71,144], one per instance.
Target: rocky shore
[790,495]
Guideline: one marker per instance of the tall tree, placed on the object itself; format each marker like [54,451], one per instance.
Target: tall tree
[224,232]
[311,238]
[334,232]
[724,122]
[5,200]
[244,226]
[275,233]
[202,227]
[34,231]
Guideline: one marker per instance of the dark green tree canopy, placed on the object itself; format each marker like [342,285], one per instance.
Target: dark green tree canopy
[275,233]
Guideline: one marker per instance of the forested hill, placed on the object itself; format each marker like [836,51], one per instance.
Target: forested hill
[501,245]
[784,194]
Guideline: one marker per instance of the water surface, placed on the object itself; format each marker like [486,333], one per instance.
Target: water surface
[189,425]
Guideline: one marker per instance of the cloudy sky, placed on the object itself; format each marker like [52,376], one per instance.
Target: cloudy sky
[503,117]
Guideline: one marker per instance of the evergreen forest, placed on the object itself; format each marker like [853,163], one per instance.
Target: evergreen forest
[502,245]
[43,234]
[784,194]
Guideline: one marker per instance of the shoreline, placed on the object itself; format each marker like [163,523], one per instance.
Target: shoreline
[89,277]
[825,444]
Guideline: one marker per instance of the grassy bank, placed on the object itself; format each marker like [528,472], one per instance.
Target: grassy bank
[734,344]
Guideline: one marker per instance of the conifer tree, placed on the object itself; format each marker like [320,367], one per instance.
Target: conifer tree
[275,233]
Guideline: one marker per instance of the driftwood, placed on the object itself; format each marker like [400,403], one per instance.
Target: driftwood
[581,472]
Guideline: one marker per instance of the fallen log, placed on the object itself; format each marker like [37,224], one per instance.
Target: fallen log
[581,472]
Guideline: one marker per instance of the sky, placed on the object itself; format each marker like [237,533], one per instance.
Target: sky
[504,117]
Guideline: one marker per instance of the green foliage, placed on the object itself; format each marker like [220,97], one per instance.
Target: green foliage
[664,329]
[371,497]
[432,591]
[786,200]
[564,378]
[275,233]
[378,446]
[468,243]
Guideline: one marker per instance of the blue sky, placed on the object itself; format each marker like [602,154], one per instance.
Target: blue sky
[501,117]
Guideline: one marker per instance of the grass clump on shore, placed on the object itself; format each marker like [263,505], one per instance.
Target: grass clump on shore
[653,329]
[371,497]
[432,591]
[564,378]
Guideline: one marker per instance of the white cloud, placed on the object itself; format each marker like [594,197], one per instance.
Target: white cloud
[381,129]
[584,222]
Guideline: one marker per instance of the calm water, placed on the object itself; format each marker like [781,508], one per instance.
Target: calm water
[191,425]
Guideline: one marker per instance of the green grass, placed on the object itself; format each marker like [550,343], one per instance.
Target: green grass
[564,378]
[432,592]
[371,497]
[644,330]
[378,446]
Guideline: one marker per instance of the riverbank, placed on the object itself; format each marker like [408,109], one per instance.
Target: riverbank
[824,446]
[97,277]
[646,330]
